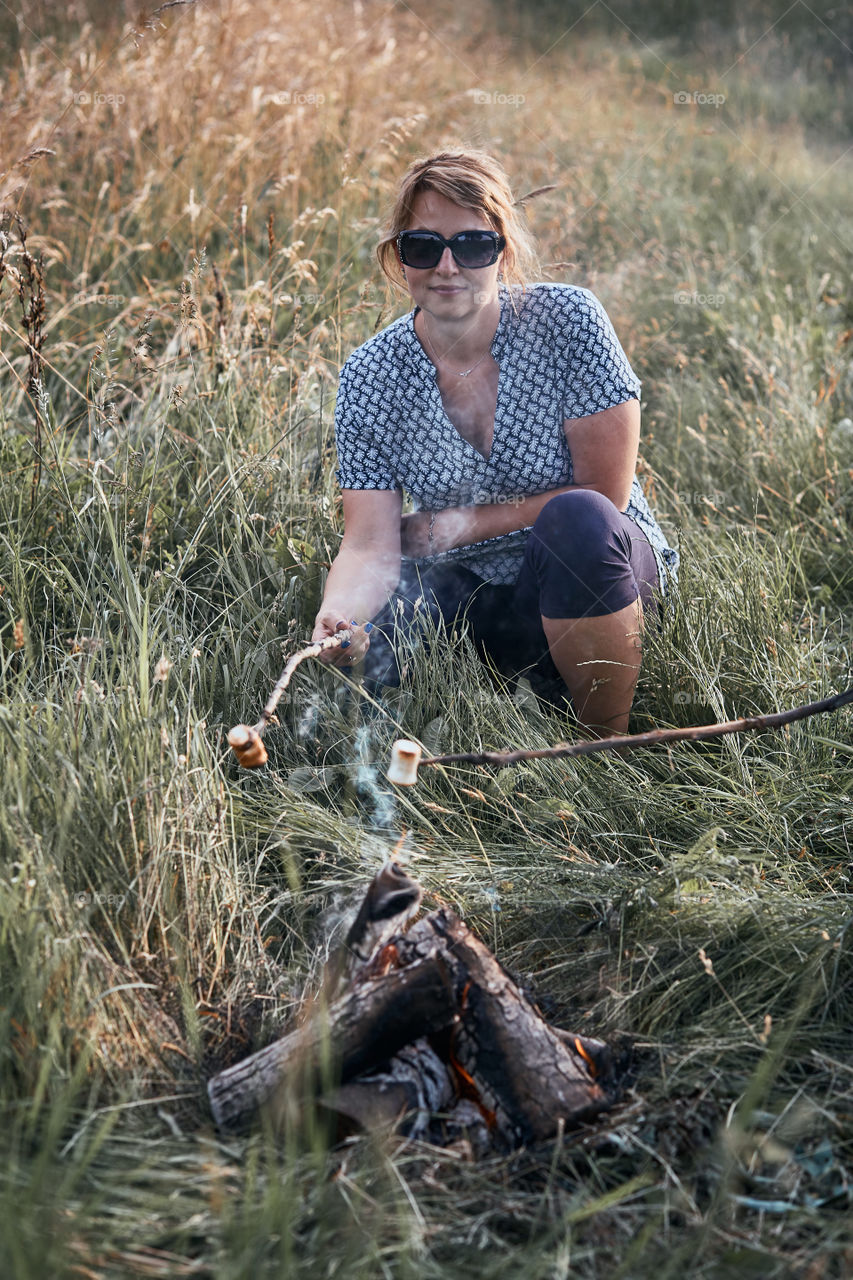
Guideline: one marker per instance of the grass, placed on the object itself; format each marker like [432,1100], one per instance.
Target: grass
[199,267]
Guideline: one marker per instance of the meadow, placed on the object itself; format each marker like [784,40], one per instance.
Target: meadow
[189,202]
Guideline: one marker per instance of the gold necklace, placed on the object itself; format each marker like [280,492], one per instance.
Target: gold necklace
[465,372]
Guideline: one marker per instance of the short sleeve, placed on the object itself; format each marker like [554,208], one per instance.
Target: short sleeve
[597,373]
[362,461]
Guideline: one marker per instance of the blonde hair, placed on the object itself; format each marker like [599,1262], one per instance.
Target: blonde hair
[474,180]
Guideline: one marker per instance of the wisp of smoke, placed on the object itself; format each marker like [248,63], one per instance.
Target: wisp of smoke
[384,813]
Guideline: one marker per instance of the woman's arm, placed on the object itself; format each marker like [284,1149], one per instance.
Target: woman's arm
[366,569]
[604,450]
[604,458]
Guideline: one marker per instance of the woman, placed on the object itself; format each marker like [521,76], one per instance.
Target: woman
[509,413]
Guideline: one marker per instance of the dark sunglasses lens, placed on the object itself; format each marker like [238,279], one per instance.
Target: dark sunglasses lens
[420,250]
[475,248]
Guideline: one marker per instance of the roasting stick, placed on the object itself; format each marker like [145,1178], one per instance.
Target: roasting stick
[406,755]
[246,740]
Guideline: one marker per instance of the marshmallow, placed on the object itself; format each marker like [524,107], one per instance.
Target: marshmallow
[247,745]
[405,758]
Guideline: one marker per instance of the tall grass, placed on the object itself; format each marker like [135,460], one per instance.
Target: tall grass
[167,514]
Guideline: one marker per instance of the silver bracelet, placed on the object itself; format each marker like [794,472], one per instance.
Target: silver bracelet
[431,533]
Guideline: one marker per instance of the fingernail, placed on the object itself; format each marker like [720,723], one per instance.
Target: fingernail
[368,627]
[345,644]
[353,622]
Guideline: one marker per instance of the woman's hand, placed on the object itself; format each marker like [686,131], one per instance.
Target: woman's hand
[364,573]
[425,533]
[352,651]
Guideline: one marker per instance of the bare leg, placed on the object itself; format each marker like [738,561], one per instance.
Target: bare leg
[599,659]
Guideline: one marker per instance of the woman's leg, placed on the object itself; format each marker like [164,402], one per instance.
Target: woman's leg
[599,661]
[588,573]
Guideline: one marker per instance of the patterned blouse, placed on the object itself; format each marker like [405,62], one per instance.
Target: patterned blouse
[559,358]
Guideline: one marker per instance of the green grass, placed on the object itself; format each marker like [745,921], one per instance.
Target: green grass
[167,514]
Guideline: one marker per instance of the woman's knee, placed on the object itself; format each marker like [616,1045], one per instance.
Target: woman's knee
[580,556]
[583,516]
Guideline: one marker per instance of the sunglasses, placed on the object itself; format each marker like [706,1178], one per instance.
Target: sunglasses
[423,249]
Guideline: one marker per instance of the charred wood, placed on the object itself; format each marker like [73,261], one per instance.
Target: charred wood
[364,1027]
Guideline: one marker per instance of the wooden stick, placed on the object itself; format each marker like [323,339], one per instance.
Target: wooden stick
[310,651]
[245,739]
[625,742]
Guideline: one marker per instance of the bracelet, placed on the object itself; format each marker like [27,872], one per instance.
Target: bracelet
[431,533]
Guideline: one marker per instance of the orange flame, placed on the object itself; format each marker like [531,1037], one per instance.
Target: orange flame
[593,1069]
[466,1087]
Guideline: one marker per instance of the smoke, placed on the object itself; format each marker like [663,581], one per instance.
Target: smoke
[308,720]
[366,780]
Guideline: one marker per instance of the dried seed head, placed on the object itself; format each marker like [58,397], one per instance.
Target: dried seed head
[161,671]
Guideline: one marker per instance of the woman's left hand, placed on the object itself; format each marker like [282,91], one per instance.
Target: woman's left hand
[426,533]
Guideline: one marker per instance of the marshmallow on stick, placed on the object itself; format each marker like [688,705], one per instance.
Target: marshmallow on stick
[405,758]
[245,740]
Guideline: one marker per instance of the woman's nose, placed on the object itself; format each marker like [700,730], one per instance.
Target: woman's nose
[447,263]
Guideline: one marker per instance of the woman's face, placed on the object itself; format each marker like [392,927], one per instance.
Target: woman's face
[447,291]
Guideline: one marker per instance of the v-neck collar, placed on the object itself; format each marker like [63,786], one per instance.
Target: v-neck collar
[497,348]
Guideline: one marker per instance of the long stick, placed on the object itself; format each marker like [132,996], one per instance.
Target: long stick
[310,651]
[626,742]
[245,739]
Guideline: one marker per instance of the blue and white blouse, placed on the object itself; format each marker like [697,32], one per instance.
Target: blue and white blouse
[559,358]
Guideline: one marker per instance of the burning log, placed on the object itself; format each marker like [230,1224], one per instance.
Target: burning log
[415,1085]
[431,1026]
[362,1029]
[525,1075]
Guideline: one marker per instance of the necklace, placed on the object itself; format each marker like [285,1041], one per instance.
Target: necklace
[464,373]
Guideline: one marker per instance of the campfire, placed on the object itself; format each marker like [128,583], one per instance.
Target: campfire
[426,1034]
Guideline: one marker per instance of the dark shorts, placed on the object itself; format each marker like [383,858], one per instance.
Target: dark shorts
[584,558]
